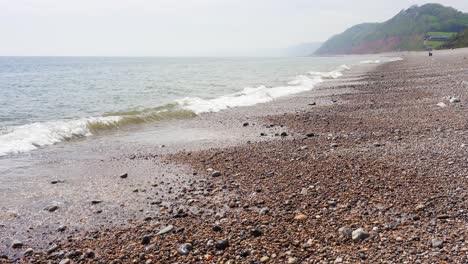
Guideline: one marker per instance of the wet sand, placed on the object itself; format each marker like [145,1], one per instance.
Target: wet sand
[296,184]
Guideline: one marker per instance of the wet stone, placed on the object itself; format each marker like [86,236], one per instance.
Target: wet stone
[17,244]
[51,208]
[185,249]
[215,174]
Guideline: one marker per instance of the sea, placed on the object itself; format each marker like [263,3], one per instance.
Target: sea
[53,100]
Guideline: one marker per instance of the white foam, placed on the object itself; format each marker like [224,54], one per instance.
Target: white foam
[249,96]
[32,136]
[370,62]
[332,74]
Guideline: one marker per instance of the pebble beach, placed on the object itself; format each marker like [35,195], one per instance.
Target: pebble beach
[369,169]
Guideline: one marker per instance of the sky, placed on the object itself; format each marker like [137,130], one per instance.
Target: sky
[181,27]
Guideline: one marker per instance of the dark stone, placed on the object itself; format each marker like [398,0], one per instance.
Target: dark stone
[124,176]
[245,253]
[146,240]
[57,181]
[245,124]
[96,201]
[310,135]
[284,134]
[215,174]
[256,232]
[221,244]
[90,253]
[17,244]
[362,256]
[217,228]
[51,208]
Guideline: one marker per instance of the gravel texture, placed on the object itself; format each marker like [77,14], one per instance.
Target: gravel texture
[380,175]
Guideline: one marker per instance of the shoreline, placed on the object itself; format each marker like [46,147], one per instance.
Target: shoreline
[267,183]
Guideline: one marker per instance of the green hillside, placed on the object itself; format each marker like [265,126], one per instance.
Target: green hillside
[405,31]
[458,41]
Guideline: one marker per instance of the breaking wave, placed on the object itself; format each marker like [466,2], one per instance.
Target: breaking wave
[28,137]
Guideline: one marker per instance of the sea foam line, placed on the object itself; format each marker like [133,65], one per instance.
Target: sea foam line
[29,137]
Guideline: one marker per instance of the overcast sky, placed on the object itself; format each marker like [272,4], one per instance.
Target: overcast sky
[181,27]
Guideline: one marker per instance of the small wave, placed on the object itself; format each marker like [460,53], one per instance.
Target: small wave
[332,74]
[32,136]
[370,62]
[249,96]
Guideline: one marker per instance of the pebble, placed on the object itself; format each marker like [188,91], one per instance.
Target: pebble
[28,252]
[221,244]
[57,181]
[292,260]
[217,228]
[300,217]
[284,134]
[17,244]
[215,174]
[96,201]
[345,231]
[256,233]
[359,234]
[62,228]
[338,260]
[51,208]
[437,243]
[245,124]
[146,240]
[245,253]
[334,145]
[124,176]
[420,207]
[184,249]
[65,261]
[264,259]
[265,211]
[454,100]
[89,253]
[166,230]
[441,105]
[52,249]
[310,135]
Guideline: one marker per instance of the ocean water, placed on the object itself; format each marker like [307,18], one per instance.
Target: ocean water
[48,100]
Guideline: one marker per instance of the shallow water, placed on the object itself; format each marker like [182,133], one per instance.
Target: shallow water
[48,100]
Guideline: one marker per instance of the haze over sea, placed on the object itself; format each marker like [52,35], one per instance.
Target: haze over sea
[47,100]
